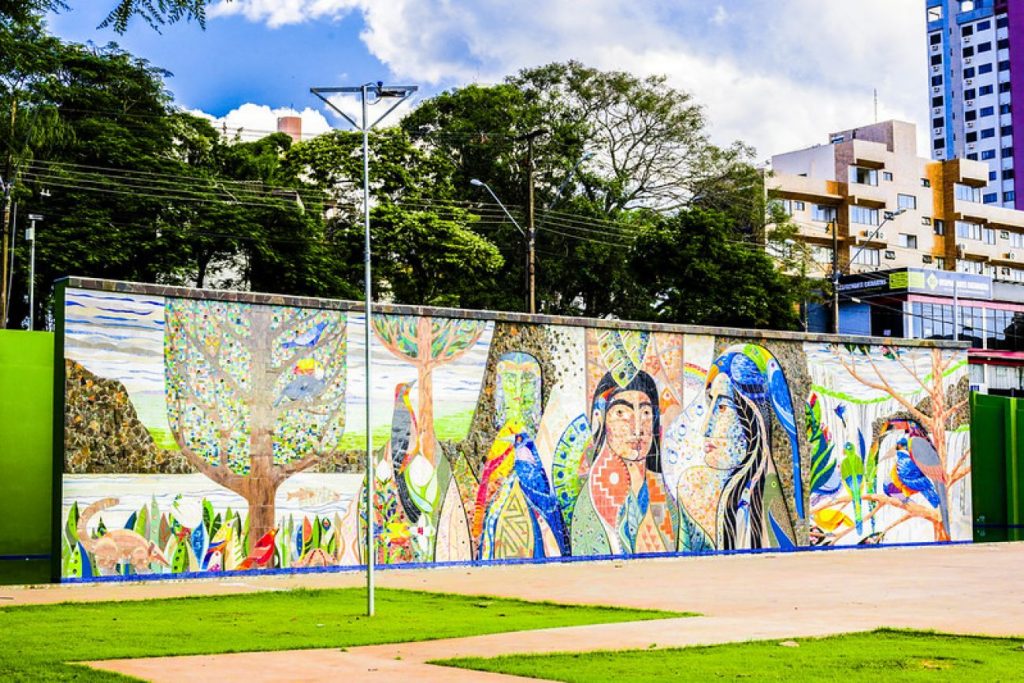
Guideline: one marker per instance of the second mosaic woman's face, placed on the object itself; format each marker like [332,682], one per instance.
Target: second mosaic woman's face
[725,442]
[629,425]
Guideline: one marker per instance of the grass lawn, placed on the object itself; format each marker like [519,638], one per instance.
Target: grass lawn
[890,655]
[37,641]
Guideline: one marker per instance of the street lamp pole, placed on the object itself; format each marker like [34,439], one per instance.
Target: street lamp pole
[889,215]
[30,235]
[400,93]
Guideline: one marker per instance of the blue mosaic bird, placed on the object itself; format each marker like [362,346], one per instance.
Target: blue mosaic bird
[909,477]
[539,496]
[302,388]
[308,338]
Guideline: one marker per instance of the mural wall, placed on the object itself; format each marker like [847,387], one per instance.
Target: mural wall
[210,432]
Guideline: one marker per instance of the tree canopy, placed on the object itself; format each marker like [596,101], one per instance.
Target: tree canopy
[638,214]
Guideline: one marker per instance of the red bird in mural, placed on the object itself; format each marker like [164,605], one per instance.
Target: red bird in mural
[262,556]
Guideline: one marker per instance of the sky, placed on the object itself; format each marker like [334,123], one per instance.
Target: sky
[777,74]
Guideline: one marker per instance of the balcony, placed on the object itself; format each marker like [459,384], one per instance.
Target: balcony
[815,190]
[973,173]
[871,196]
[869,154]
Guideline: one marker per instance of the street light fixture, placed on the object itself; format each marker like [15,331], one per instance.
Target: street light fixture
[30,235]
[836,273]
[380,92]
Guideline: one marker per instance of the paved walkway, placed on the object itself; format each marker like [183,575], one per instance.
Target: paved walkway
[963,589]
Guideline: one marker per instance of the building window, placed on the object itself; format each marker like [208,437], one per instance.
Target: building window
[969,72]
[985,90]
[984,69]
[936,81]
[970,115]
[935,14]
[939,143]
[969,94]
[987,111]
[821,254]
[887,176]
[969,51]
[1017,240]
[1003,44]
[1003,87]
[936,60]
[974,267]
[988,154]
[968,231]
[1007,152]
[971,137]
[925,182]
[1002,22]
[992,175]
[1009,196]
[984,47]
[907,241]
[988,235]
[823,214]
[1005,108]
[863,176]
[973,156]
[991,198]
[984,26]
[1008,174]
[988,133]
[968,193]
[939,122]
[940,262]
[906,201]
[967,31]
[863,215]
[940,227]
[1004,65]
[925,220]
[866,257]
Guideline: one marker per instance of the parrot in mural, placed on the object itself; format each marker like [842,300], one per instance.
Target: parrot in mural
[529,469]
[497,467]
[263,554]
[852,470]
[307,339]
[405,447]
[758,375]
[910,477]
[921,470]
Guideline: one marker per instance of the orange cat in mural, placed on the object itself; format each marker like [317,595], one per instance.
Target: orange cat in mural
[117,545]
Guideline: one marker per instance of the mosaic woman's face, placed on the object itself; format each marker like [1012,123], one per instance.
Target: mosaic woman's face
[725,441]
[629,425]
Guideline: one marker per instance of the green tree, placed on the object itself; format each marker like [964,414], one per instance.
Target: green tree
[692,269]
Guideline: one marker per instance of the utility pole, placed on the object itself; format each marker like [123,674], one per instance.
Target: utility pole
[835,276]
[6,185]
[30,234]
[531,225]
[380,91]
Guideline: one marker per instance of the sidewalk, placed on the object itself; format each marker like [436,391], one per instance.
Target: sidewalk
[962,589]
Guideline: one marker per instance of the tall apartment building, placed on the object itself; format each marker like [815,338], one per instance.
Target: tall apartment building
[976,74]
[896,217]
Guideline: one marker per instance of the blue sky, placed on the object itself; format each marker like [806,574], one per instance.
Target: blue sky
[778,74]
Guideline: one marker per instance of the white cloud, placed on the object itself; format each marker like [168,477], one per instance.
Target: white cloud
[779,74]
[254,121]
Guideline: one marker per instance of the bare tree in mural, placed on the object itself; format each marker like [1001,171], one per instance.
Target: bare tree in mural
[254,394]
[934,413]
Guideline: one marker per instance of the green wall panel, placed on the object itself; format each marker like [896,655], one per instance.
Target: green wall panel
[26,455]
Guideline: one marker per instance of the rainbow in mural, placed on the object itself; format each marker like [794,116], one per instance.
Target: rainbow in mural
[210,432]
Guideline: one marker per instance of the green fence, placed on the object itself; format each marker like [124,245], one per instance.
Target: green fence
[26,455]
[997,477]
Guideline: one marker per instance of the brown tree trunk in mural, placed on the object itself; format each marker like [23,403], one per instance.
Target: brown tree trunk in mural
[425,382]
[239,378]
[426,343]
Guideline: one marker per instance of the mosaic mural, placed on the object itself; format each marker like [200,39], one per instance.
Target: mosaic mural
[493,439]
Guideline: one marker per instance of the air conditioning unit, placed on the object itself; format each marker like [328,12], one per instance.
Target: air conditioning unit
[937,90]
[969,81]
[960,249]
[970,125]
[969,61]
[1011,256]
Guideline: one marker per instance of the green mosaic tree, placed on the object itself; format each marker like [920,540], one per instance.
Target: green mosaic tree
[254,394]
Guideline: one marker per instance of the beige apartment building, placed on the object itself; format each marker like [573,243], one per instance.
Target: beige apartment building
[891,208]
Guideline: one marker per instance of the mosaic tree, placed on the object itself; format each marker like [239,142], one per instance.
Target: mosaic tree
[427,343]
[255,394]
[928,412]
